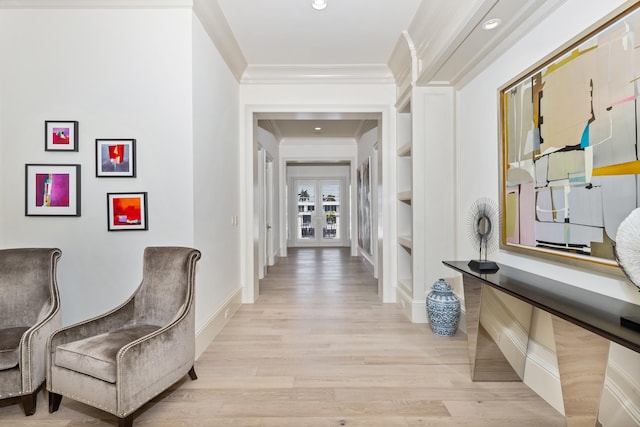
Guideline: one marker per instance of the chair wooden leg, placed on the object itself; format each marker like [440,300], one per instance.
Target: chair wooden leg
[192,373]
[126,421]
[54,402]
[29,403]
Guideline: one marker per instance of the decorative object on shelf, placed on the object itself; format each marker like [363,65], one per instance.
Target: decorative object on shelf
[60,135]
[52,190]
[127,211]
[626,248]
[443,309]
[115,158]
[482,228]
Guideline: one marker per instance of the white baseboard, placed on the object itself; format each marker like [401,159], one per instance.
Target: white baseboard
[206,334]
[414,310]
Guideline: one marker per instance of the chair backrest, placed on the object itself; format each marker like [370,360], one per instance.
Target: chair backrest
[27,284]
[168,278]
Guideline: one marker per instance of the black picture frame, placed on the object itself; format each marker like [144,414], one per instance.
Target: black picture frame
[127,211]
[115,158]
[61,135]
[52,189]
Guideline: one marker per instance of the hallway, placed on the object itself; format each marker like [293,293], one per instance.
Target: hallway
[319,349]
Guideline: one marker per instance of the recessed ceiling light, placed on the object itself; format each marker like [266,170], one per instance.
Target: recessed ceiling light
[491,24]
[319,4]
[317,130]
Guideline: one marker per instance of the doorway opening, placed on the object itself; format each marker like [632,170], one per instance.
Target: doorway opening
[316,209]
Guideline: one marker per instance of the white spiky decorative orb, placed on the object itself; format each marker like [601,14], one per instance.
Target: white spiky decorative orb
[627,246]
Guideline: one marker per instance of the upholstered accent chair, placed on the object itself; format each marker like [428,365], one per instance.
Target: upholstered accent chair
[29,313]
[120,360]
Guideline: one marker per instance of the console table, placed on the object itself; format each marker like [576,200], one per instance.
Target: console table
[584,324]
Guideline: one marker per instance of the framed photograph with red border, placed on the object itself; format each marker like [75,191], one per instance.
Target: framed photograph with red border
[60,135]
[127,211]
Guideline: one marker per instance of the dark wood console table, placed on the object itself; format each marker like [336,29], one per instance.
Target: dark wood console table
[584,324]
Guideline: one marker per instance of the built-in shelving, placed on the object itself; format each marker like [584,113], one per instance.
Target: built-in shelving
[424,180]
[404,294]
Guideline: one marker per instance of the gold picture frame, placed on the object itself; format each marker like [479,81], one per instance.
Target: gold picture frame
[569,147]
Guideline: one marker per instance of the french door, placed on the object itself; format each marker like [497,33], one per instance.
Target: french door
[317,216]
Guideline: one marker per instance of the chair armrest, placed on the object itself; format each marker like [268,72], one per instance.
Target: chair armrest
[149,365]
[103,323]
[33,351]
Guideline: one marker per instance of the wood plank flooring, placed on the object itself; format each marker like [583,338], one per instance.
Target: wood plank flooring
[319,349]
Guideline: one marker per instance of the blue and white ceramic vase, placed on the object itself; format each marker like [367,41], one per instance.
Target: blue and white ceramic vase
[443,309]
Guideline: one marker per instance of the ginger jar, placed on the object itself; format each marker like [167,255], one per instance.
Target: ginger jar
[443,309]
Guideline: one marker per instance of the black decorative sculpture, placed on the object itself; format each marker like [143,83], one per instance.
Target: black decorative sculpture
[482,227]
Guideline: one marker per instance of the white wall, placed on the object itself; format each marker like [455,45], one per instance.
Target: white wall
[477,175]
[215,182]
[121,74]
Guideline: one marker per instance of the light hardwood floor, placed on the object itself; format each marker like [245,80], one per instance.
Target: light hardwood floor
[319,349]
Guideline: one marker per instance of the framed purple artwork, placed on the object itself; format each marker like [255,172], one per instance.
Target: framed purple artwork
[52,190]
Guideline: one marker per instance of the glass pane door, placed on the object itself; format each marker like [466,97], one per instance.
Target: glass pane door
[330,210]
[317,212]
[306,194]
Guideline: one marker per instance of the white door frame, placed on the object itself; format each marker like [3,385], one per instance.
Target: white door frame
[249,224]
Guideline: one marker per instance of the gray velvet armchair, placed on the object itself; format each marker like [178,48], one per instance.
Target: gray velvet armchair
[29,313]
[120,360]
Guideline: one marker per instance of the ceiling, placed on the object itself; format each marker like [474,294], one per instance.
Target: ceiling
[291,32]
[282,37]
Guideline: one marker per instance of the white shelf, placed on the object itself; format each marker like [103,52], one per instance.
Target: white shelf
[404,163]
[405,196]
[406,241]
[405,150]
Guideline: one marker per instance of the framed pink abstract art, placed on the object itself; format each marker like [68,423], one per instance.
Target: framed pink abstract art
[52,190]
[60,135]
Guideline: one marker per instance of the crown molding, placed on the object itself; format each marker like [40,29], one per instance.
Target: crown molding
[310,74]
[94,4]
[216,25]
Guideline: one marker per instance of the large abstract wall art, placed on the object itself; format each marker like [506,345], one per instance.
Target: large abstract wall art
[570,160]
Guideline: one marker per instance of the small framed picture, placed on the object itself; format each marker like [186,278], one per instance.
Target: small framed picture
[127,211]
[52,190]
[60,135]
[115,158]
